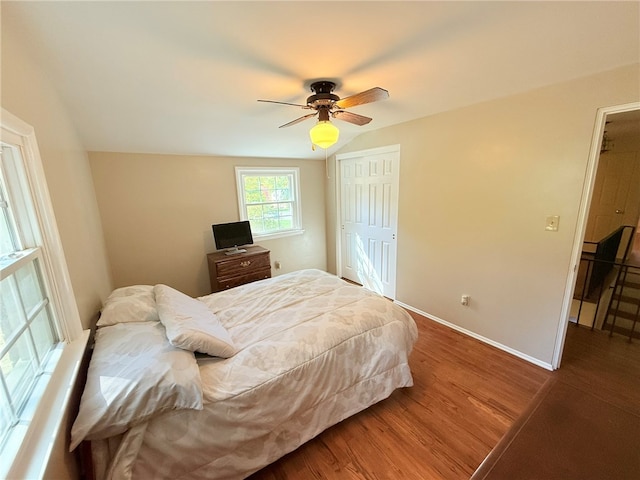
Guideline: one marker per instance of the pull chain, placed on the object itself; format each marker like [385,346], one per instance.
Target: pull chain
[326,165]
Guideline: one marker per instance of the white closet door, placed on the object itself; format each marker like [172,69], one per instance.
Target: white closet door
[368,215]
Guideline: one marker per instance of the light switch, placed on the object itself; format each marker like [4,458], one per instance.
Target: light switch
[552,223]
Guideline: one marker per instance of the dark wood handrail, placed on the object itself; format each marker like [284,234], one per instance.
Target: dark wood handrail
[605,255]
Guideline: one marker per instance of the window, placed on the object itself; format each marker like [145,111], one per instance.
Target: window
[269,198]
[38,316]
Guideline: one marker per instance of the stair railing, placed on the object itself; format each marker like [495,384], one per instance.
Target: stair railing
[606,254]
[590,262]
[621,282]
[601,259]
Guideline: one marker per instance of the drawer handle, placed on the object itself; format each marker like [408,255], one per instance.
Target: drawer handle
[246,263]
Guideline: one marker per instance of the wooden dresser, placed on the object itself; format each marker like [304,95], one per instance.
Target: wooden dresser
[227,271]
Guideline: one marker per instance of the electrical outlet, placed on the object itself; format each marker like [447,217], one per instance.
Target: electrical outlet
[465,300]
[277,265]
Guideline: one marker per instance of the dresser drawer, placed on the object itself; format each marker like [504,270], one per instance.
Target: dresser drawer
[230,282]
[240,265]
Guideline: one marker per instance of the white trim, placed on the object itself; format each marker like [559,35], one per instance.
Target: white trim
[369,151]
[486,340]
[61,291]
[583,213]
[273,236]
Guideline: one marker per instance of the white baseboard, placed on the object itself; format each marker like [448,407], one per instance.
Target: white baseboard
[471,334]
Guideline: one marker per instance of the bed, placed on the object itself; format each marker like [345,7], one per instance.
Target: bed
[220,386]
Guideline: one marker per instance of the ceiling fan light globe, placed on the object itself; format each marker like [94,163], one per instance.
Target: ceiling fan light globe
[324,134]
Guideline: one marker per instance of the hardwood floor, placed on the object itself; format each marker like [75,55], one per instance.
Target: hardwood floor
[585,422]
[466,396]
[607,365]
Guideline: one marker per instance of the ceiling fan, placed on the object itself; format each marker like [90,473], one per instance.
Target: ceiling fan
[327,104]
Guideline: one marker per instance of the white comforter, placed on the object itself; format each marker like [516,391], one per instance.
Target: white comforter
[311,351]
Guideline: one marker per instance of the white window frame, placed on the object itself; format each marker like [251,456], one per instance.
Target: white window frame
[242,172]
[32,447]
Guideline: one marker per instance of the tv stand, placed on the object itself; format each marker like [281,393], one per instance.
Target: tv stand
[227,271]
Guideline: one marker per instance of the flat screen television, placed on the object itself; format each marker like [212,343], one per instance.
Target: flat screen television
[230,236]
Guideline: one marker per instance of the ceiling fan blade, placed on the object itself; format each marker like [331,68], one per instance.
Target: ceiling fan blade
[298,120]
[351,117]
[286,103]
[372,95]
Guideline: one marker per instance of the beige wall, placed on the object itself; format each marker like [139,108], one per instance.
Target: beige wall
[157,212]
[27,94]
[476,185]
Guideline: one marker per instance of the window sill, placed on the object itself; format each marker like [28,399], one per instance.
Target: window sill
[273,236]
[38,437]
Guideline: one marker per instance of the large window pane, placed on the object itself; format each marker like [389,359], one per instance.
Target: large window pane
[5,414]
[19,369]
[254,212]
[11,314]
[285,210]
[6,243]
[7,235]
[257,226]
[43,334]
[29,286]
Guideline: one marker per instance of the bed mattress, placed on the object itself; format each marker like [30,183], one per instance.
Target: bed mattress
[311,350]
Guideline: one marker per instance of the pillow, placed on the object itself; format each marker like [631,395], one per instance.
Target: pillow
[191,325]
[134,374]
[135,303]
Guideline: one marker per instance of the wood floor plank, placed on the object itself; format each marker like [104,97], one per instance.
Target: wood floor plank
[465,397]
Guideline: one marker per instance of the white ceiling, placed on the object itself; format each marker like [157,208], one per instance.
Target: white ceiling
[184,77]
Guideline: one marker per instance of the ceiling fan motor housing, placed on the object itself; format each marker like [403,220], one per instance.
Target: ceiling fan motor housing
[323,86]
[323,96]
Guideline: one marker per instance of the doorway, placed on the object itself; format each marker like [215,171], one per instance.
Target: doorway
[622,122]
[368,217]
